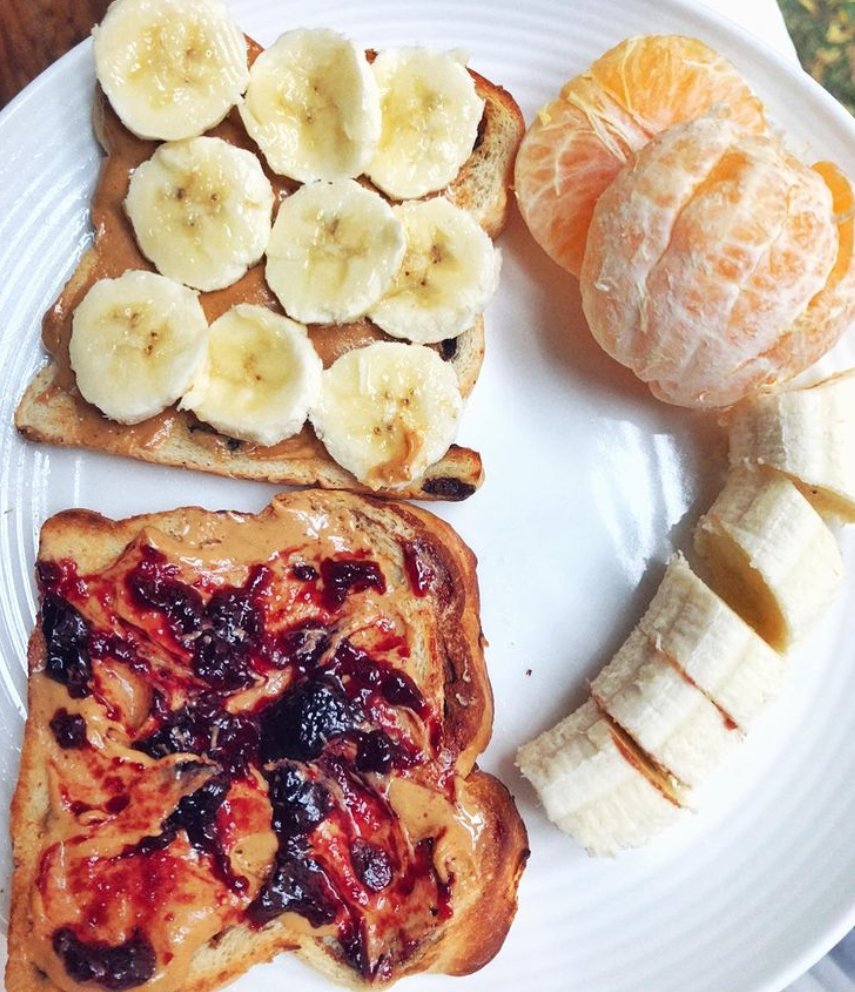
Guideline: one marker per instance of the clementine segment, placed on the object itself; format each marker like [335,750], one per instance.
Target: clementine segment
[579,142]
[703,256]
[832,310]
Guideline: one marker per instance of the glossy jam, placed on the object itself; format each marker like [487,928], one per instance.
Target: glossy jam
[371,864]
[301,646]
[419,572]
[124,966]
[305,720]
[68,729]
[205,728]
[153,586]
[221,633]
[196,814]
[341,576]
[66,636]
[297,884]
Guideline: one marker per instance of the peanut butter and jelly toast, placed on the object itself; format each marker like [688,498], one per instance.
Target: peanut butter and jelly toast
[250,734]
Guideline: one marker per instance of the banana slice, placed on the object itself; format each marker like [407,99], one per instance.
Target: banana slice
[663,712]
[388,411]
[170,68]
[449,273]
[431,114]
[712,644]
[260,377]
[596,786]
[201,211]
[136,344]
[313,107]
[808,434]
[771,556]
[334,250]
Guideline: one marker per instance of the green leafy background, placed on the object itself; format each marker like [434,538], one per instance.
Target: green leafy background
[824,35]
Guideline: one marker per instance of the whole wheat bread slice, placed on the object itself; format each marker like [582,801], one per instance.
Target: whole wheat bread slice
[429,596]
[52,410]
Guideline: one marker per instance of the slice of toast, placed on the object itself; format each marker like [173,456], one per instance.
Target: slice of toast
[53,411]
[250,734]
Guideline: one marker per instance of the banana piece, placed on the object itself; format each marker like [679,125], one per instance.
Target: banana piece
[260,376]
[136,344]
[430,113]
[387,411]
[596,786]
[808,434]
[313,107]
[667,716]
[201,211]
[334,250]
[771,556]
[170,68]
[712,644]
[449,273]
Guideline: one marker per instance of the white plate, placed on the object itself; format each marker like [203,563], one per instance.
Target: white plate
[590,485]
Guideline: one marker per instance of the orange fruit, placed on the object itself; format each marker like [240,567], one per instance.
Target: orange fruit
[715,263]
[579,142]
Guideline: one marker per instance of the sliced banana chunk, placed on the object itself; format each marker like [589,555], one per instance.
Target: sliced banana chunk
[808,434]
[136,344]
[712,644]
[334,250]
[770,555]
[663,712]
[313,107]
[431,114]
[170,68]
[260,376]
[201,211]
[449,272]
[388,411]
[596,786]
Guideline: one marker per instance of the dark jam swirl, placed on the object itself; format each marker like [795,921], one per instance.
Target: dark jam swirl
[123,966]
[196,815]
[341,576]
[204,727]
[323,747]
[221,634]
[68,729]
[66,636]
[297,884]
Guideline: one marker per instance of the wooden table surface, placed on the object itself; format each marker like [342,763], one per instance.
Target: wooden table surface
[34,33]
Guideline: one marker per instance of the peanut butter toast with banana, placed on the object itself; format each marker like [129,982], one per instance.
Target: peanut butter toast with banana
[250,734]
[292,257]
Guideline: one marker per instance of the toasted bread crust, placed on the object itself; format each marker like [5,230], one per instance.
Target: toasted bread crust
[483,908]
[484,182]
[52,415]
[29,809]
[52,411]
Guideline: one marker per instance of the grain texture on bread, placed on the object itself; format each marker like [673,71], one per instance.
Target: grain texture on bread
[53,411]
[419,623]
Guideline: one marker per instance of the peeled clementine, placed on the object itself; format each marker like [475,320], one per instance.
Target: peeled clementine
[715,263]
[579,142]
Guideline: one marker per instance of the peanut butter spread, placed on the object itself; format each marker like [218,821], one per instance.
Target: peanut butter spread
[243,726]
